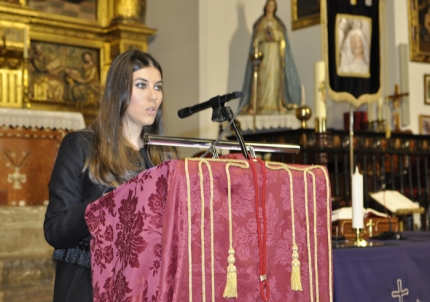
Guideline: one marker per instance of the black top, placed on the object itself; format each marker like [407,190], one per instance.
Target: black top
[70,191]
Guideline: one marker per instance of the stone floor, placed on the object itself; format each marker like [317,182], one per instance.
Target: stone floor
[26,267]
[29,279]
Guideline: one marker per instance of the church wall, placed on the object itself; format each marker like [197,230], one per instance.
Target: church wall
[175,46]
[217,42]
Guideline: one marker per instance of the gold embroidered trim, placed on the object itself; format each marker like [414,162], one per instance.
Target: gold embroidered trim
[230,290]
[305,170]
[231,286]
[190,259]
[202,228]
[295,275]
[296,282]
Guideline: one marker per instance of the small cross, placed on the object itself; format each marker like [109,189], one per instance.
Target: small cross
[397,96]
[395,99]
[400,292]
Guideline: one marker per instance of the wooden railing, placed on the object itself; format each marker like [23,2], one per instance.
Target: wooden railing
[401,162]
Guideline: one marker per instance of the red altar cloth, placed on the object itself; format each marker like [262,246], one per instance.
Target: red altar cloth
[147,246]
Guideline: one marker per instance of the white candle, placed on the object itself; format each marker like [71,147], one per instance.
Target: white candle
[303,103]
[319,77]
[380,108]
[25,50]
[370,112]
[357,200]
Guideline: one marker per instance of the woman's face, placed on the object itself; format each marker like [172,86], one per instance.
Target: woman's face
[356,44]
[146,98]
[270,7]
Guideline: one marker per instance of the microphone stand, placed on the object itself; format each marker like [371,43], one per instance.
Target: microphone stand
[221,113]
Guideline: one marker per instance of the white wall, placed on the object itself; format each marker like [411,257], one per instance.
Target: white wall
[175,46]
[203,48]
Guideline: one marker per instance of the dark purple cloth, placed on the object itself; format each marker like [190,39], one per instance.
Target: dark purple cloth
[382,273]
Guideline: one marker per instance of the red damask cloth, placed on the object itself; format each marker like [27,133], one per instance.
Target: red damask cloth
[149,236]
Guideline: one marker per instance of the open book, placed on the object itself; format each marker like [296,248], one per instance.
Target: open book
[394,201]
[346,213]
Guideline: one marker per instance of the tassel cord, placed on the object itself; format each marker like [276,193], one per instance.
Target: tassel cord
[262,238]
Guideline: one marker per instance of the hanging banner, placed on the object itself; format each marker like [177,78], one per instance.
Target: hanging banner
[353,51]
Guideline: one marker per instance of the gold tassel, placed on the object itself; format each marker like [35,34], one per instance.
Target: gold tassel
[296,282]
[230,290]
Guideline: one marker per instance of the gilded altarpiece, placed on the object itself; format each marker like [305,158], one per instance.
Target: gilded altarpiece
[55,54]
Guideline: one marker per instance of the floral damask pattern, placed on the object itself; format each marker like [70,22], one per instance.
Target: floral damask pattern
[140,246]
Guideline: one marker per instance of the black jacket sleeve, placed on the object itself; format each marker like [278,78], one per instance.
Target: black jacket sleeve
[70,191]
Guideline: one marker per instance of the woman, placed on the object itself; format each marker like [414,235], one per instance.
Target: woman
[355,56]
[278,84]
[94,161]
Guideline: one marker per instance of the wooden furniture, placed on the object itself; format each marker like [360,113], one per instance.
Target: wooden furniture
[372,227]
[27,157]
[29,141]
[401,162]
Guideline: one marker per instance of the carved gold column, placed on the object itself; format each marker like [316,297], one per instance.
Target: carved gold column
[127,10]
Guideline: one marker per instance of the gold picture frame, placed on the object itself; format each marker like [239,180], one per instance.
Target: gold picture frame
[305,13]
[424,124]
[419,35]
[427,89]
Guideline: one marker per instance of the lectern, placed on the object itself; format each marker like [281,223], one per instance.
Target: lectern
[200,229]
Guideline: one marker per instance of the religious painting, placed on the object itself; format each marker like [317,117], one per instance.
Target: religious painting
[424,124]
[419,30]
[352,52]
[353,37]
[427,89]
[64,75]
[82,9]
[305,13]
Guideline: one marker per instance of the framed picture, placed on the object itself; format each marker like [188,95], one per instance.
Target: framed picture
[64,74]
[424,124]
[419,30]
[427,89]
[83,9]
[353,37]
[305,13]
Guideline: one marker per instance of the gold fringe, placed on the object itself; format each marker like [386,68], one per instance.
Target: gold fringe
[296,281]
[230,290]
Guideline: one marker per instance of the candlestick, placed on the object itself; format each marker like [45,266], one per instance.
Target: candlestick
[319,77]
[370,112]
[357,200]
[25,48]
[380,108]
[303,102]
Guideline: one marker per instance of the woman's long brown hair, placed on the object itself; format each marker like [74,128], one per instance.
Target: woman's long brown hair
[113,160]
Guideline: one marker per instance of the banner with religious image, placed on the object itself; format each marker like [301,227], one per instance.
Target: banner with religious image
[352,50]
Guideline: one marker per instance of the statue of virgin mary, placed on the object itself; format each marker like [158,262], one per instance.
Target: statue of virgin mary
[278,83]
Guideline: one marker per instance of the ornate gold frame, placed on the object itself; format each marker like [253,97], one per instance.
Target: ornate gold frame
[116,30]
[302,22]
[419,50]
[427,89]
[422,119]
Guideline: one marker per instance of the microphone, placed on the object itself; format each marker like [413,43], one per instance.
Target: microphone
[213,102]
